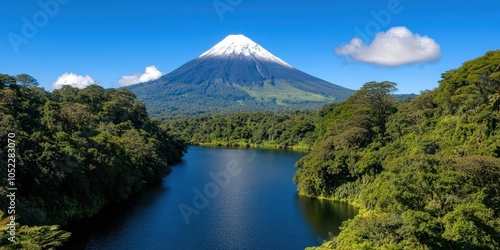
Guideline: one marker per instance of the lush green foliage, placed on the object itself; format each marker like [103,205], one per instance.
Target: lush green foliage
[296,130]
[425,171]
[286,130]
[77,150]
[352,132]
[31,237]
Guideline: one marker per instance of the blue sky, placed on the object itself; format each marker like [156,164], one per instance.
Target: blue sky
[103,41]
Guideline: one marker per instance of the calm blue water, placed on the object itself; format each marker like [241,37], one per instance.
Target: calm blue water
[251,203]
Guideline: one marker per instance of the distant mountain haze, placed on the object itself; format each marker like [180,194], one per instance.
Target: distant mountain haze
[236,74]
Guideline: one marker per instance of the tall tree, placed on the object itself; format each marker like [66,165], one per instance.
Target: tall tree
[26,80]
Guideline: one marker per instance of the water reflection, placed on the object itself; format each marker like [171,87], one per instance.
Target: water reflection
[110,220]
[258,209]
[325,216]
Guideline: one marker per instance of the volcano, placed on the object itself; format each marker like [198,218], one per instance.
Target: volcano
[235,75]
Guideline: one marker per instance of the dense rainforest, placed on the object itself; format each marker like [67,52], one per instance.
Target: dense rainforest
[296,130]
[283,130]
[425,172]
[75,151]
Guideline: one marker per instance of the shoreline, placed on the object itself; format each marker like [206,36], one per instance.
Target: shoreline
[361,208]
[249,145]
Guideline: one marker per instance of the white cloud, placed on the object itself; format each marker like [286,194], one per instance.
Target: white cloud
[74,80]
[398,46]
[151,74]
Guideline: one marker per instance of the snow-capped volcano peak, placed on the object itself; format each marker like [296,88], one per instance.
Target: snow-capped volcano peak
[240,45]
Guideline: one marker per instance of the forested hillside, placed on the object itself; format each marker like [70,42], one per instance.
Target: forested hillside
[426,172]
[75,151]
[285,130]
[297,130]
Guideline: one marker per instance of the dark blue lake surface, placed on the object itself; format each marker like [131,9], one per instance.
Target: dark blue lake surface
[229,198]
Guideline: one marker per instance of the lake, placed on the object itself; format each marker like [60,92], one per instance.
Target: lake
[217,199]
